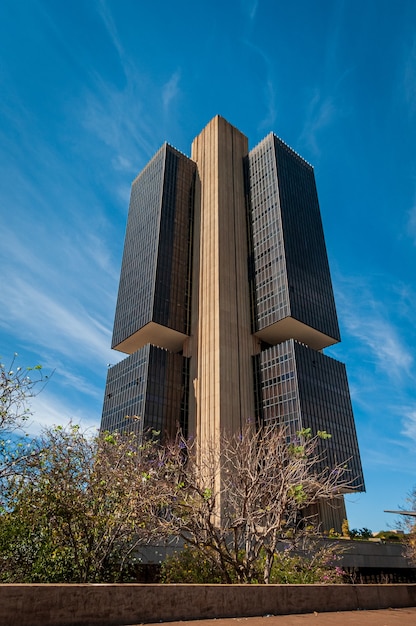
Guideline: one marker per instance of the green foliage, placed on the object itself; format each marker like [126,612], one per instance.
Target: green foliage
[305,433]
[74,508]
[345,528]
[390,535]
[79,510]
[360,533]
[296,569]
[297,493]
[192,565]
[207,494]
[322,434]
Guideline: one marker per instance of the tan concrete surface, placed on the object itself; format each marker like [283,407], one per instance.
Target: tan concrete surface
[223,328]
[385,617]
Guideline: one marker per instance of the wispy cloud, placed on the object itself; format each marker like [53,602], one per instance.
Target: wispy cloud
[409,78]
[269,90]
[250,7]
[366,319]
[320,114]
[117,118]
[379,343]
[47,320]
[411,222]
[409,423]
[123,118]
[46,279]
[382,458]
[50,410]
[170,90]
[387,346]
[106,16]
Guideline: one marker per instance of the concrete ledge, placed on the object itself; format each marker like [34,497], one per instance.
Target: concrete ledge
[114,605]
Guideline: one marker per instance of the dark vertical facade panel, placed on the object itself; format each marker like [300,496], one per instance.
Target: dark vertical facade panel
[267,263]
[125,393]
[172,287]
[165,389]
[154,282]
[154,287]
[138,270]
[149,387]
[309,280]
[326,405]
[279,387]
[302,388]
[291,271]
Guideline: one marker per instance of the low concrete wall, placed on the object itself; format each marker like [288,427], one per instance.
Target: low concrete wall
[371,554]
[352,554]
[70,605]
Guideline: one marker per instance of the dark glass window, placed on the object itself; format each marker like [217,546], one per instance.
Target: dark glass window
[301,388]
[155,275]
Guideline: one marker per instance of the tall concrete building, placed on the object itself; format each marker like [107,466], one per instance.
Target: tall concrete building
[225,302]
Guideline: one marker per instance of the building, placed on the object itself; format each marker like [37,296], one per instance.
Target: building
[225,301]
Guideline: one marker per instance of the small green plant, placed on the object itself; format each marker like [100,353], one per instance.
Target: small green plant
[191,566]
[296,569]
[345,528]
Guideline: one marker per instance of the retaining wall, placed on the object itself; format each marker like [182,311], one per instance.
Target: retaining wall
[114,605]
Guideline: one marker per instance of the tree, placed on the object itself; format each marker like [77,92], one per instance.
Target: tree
[81,510]
[407,525]
[240,505]
[17,385]
[360,533]
[75,508]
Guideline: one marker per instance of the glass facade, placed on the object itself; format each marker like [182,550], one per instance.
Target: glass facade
[292,301]
[326,405]
[291,275]
[147,391]
[155,273]
[303,388]
[278,396]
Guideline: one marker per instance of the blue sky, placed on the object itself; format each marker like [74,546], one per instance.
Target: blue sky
[90,90]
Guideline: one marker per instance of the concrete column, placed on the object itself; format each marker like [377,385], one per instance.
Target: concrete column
[223,371]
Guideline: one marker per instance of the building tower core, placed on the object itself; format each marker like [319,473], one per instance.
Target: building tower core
[225,301]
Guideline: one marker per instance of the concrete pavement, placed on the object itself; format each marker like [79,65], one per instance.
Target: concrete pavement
[382,617]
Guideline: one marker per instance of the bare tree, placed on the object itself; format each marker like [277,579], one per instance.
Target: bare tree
[407,525]
[17,386]
[242,503]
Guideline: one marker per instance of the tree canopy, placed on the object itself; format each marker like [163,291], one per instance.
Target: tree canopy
[76,506]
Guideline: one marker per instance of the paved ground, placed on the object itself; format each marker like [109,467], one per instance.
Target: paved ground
[385,617]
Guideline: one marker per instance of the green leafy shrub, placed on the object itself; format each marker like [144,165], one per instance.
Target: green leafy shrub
[191,566]
[296,569]
[390,535]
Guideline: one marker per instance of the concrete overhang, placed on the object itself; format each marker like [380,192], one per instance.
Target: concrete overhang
[290,328]
[155,334]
